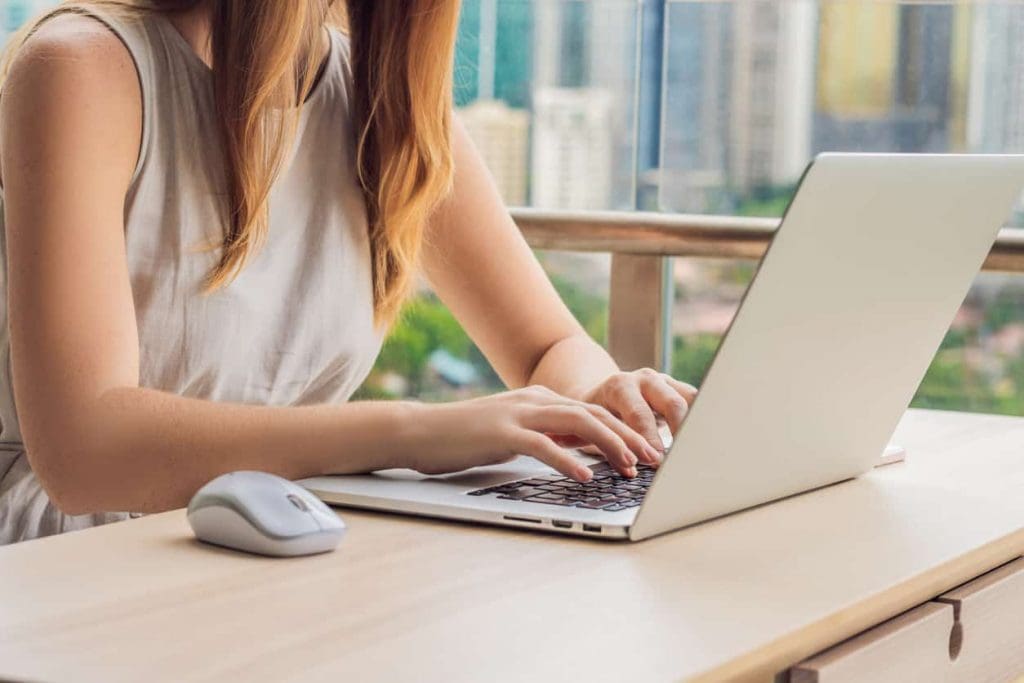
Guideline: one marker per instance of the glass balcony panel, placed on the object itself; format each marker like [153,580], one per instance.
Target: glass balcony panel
[754,89]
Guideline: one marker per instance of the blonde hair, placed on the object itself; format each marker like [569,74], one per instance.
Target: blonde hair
[264,66]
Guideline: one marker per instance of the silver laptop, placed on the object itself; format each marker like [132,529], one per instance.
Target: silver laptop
[874,256]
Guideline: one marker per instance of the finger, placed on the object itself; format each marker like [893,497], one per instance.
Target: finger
[629,404]
[637,443]
[687,391]
[567,440]
[542,448]
[577,420]
[664,398]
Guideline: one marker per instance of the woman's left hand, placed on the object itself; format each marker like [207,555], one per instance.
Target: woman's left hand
[640,396]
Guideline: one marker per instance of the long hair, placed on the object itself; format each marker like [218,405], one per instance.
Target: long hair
[264,63]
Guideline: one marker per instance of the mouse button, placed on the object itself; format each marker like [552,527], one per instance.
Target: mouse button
[326,518]
[315,503]
[300,491]
[308,497]
[261,500]
[297,502]
[277,516]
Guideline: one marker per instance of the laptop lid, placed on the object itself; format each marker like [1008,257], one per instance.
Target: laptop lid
[873,258]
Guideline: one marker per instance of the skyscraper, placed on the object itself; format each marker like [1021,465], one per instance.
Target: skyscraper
[494,51]
[995,109]
[888,77]
[572,148]
[738,97]
[772,90]
[502,135]
[585,57]
[695,108]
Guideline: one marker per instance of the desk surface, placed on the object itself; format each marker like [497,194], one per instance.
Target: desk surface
[744,596]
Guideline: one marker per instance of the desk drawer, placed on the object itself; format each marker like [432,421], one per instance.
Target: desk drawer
[911,647]
[974,633]
[990,611]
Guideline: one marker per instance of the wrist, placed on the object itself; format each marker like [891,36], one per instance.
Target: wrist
[574,367]
[405,429]
[418,428]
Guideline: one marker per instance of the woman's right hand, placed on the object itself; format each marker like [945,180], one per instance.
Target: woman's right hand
[534,421]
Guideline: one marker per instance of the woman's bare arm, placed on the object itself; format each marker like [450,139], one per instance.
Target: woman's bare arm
[485,272]
[482,268]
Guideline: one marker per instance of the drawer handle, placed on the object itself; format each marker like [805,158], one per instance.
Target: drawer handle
[956,637]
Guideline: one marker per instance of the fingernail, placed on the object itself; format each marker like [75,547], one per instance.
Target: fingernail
[631,472]
[584,474]
[654,455]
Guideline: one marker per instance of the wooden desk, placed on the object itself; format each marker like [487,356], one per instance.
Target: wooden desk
[403,599]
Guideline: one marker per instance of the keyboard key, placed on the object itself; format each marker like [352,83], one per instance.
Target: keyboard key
[524,492]
[545,497]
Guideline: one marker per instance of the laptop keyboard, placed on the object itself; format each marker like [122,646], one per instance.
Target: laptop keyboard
[608,490]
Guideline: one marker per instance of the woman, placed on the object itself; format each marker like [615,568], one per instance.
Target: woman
[212,211]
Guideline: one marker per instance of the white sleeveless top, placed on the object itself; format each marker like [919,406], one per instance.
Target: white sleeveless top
[296,326]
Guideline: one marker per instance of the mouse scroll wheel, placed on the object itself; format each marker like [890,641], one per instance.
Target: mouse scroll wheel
[298,502]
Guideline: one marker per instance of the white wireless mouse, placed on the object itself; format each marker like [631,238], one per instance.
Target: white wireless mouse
[262,513]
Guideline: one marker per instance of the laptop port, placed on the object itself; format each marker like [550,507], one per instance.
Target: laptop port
[560,524]
[594,528]
[522,519]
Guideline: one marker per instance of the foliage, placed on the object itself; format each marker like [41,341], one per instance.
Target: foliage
[692,355]
[426,324]
[1006,308]
[767,201]
[423,326]
[590,309]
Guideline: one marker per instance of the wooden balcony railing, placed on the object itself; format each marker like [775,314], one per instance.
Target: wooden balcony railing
[640,295]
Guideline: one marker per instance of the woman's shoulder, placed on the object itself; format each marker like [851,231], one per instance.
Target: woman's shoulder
[71,48]
[72,77]
[71,41]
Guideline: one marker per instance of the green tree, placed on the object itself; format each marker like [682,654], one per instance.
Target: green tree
[425,325]
[692,355]
[769,201]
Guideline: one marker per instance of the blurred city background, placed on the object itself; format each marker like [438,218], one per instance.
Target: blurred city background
[716,107]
